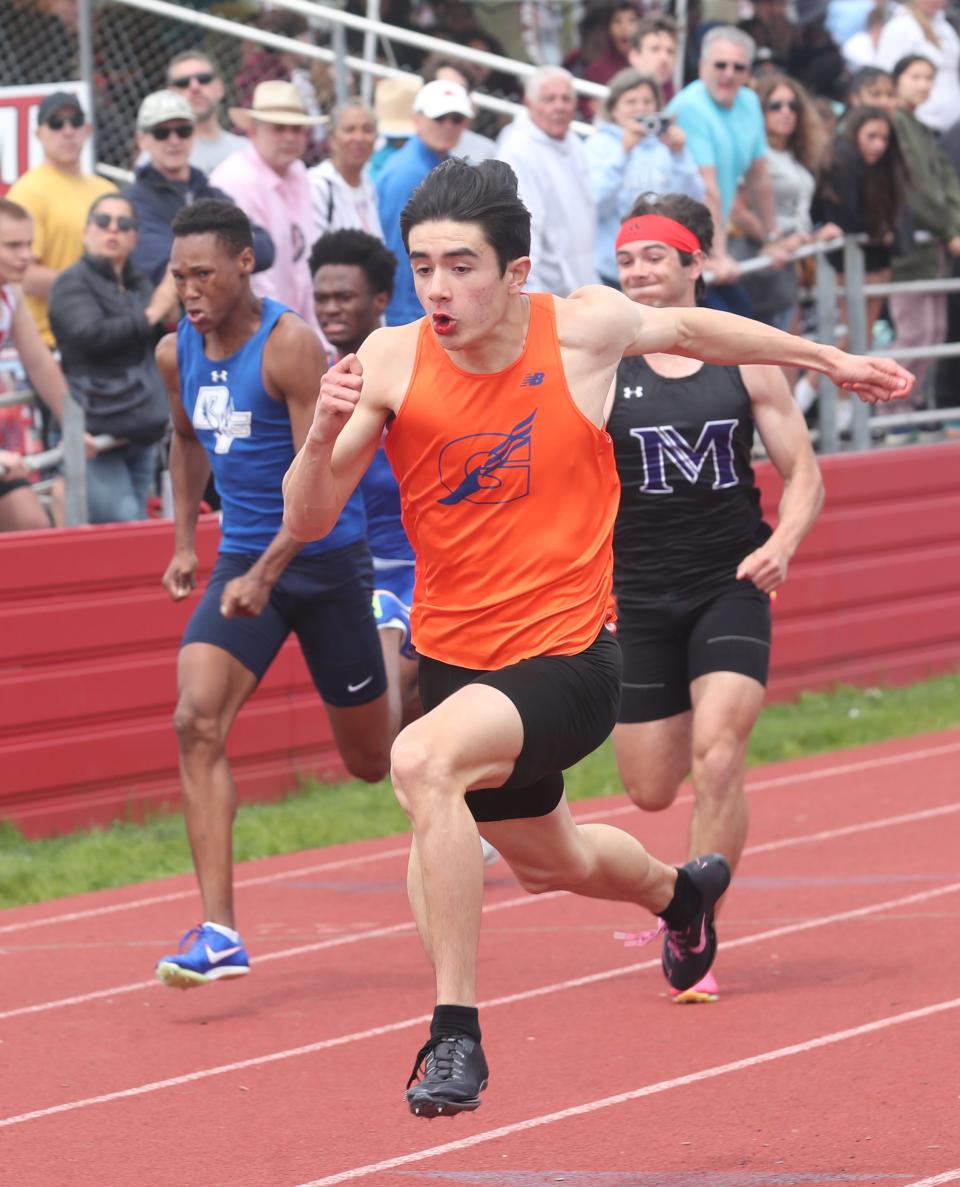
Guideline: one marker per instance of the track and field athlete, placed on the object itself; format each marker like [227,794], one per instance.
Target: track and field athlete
[695,565]
[509,491]
[242,375]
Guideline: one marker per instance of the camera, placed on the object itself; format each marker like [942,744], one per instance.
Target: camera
[653,125]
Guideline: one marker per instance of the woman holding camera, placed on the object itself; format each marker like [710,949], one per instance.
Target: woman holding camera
[107,319]
[635,150]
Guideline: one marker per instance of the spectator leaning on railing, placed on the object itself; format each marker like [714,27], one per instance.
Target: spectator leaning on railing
[19,506]
[107,318]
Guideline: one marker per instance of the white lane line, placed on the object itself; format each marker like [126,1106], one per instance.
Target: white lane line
[174,895]
[507,999]
[523,900]
[946,1177]
[608,1102]
[357,937]
[869,764]
[606,814]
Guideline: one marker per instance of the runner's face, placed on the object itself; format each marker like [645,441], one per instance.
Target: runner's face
[651,274]
[459,283]
[210,281]
[346,308]
[16,238]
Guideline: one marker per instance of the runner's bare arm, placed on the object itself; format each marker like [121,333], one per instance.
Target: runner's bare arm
[611,322]
[348,419]
[784,434]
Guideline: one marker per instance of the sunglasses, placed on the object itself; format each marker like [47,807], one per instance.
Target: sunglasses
[123,222]
[204,78]
[736,67]
[453,118]
[77,120]
[184,131]
[780,104]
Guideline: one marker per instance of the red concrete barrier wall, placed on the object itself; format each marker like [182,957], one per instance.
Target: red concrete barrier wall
[88,667]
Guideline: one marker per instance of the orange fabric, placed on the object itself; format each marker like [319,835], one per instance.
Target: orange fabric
[509,495]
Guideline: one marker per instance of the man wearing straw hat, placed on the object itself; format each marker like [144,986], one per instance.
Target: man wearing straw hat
[268,181]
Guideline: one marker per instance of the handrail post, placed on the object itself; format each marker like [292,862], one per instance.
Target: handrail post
[369,51]
[854,278]
[74,463]
[826,301]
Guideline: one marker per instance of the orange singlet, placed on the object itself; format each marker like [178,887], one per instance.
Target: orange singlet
[508,497]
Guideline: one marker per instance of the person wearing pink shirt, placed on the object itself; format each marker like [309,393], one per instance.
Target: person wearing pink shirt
[268,181]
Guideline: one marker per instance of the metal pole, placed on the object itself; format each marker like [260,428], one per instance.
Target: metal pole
[826,298]
[74,463]
[341,86]
[854,278]
[85,54]
[679,66]
[369,51]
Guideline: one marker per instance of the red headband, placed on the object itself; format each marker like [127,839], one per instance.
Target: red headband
[659,228]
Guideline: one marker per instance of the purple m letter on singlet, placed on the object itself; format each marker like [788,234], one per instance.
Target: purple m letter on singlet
[664,442]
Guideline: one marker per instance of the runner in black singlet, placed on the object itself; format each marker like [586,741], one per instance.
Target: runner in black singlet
[694,562]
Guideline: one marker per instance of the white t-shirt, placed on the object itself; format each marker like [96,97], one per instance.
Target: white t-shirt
[8,305]
[903,35]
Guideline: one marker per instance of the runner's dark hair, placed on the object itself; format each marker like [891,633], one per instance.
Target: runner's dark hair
[357,248]
[484,194]
[215,216]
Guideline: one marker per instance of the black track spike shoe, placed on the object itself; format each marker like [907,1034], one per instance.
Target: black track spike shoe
[454,1074]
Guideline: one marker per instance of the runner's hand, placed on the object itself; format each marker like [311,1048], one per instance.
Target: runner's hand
[339,393]
[244,597]
[181,575]
[875,380]
[12,465]
[765,567]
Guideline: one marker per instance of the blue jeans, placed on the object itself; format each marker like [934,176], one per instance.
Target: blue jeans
[118,483]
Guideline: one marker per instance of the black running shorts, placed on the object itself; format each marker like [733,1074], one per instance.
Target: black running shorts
[669,644]
[568,706]
[326,600]
[7,486]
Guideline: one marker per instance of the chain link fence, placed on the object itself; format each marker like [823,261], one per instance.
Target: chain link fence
[40,42]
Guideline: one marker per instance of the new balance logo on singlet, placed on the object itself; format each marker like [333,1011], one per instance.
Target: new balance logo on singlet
[214,411]
[534,379]
[488,467]
[664,443]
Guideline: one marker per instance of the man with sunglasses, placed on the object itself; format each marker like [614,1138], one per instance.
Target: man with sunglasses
[195,76]
[57,195]
[441,110]
[723,122]
[166,182]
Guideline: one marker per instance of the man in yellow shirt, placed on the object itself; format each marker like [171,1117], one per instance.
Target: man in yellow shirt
[57,196]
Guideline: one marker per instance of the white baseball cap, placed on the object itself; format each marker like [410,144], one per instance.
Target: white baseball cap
[161,106]
[440,98]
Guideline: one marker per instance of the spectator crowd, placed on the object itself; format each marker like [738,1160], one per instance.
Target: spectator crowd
[791,122]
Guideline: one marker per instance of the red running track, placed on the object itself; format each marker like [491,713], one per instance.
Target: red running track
[832,1057]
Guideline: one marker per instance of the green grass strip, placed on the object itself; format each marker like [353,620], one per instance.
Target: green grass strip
[327,814]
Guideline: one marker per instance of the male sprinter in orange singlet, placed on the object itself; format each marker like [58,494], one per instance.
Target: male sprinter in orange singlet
[509,490]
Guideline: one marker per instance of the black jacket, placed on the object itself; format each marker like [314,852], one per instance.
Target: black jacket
[100,326]
[156,201]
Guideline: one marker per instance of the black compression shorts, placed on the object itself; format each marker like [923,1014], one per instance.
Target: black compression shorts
[668,645]
[568,706]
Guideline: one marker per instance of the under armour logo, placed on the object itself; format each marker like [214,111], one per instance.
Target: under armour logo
[630,393]
[218,376]
[534,379]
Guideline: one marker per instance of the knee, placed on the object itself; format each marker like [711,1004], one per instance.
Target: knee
[367,761]
[419,771]
[650,794]
[715,764]
[195,729]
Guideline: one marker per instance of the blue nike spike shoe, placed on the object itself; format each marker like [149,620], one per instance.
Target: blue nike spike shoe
[211,957]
